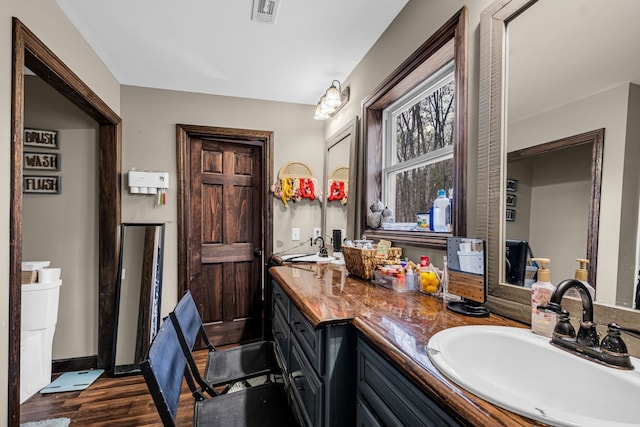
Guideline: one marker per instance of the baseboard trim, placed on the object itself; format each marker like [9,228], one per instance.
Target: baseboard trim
[74,364]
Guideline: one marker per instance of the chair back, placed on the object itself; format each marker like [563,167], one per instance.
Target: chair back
[163,370]
[188,320]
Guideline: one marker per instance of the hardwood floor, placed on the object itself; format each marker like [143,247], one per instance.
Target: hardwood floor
[113,402]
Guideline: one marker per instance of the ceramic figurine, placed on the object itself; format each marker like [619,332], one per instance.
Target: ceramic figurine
[387,215]
[374,218]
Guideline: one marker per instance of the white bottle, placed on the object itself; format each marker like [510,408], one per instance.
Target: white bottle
[440,212]
[542,323]
[410,279]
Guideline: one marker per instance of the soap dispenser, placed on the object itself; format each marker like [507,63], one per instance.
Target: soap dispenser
[582,275]
[542,323]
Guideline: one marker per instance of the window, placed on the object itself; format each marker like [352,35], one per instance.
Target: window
[418,146]
[414,136]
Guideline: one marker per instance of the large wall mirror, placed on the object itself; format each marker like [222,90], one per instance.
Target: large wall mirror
[339,204]
[138,291]
[554,71]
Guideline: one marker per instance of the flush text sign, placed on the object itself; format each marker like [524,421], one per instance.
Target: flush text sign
[41,138]
[42,184]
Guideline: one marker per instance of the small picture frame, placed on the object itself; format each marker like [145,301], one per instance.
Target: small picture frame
[512,185]
[510,215]
[42,184]
[511,200]
[40,138]
[44,161]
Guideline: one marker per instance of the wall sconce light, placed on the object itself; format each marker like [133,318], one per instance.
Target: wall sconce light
[333,100]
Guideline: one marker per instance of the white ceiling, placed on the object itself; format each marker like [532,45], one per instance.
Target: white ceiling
[213,46]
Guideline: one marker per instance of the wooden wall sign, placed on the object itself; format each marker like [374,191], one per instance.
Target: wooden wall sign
[42,184]
[41,138]
[41,161]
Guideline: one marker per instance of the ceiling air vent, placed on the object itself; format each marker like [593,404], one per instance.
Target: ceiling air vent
[265,11]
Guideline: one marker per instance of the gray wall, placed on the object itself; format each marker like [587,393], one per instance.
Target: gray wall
[62,228]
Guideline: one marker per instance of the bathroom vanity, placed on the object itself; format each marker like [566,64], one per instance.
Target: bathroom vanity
[354,353]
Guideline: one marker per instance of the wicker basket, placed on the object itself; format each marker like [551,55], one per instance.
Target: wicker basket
[295,170]
[340,174]
[362,262]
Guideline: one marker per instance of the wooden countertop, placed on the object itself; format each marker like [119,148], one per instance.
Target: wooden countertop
[399,325]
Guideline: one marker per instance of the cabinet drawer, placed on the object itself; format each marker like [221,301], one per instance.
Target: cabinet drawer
[310,339]
[391,396]
[281,336]
[364,415]
[306,386]
[280,299]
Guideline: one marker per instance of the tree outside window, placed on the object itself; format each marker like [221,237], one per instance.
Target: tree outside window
[418,159]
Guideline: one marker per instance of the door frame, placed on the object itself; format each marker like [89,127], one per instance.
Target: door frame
[184,133]
[31,52]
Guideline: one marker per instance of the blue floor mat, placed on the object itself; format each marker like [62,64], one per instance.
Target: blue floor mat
[73,381]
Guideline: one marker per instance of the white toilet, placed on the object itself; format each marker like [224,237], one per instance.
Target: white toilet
[38,323]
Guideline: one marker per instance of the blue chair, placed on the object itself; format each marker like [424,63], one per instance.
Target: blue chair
[223,367]
[165,366]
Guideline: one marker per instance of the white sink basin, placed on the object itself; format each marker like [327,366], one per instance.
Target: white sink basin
[306,258]
[520,371]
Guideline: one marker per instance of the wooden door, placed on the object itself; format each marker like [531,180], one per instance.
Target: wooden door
[225,236]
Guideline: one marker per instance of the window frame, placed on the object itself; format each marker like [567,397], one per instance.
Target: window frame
[391,167]
[446,44]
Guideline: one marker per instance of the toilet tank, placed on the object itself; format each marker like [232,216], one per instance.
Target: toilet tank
[40,305]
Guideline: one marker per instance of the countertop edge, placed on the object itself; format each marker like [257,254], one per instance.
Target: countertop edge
[454,400]
[465,407]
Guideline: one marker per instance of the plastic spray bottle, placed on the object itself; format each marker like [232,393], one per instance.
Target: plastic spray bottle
[542,323]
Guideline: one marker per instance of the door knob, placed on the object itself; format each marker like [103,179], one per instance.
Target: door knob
[257,253]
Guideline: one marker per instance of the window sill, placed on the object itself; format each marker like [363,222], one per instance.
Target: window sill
[420,239]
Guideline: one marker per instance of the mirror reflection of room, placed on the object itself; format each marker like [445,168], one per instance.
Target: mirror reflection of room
[338,208]
[563,174]
[547,102]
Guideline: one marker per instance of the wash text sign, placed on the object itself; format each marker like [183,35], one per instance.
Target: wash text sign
[41,161]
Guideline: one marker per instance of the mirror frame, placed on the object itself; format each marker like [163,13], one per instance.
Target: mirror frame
[145,307]
[350,131]
[507,300]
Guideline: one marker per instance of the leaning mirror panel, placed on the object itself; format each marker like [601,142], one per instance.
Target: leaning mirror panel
[555,93]
[138,291]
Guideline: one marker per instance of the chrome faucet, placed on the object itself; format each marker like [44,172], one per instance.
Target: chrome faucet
[611,352]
